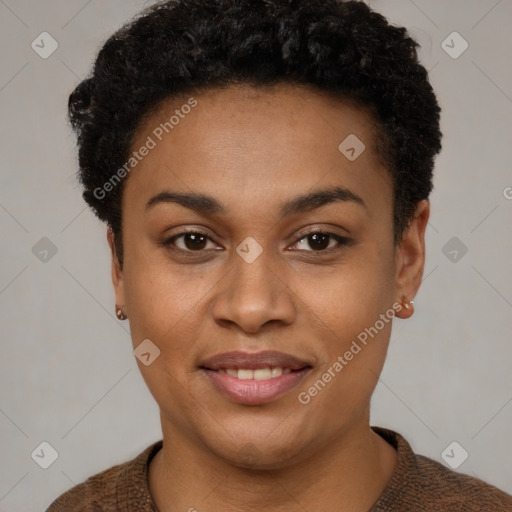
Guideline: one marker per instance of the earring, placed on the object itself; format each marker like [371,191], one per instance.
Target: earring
[409,304]
[120,314]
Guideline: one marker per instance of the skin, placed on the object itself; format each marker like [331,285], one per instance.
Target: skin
[253,149]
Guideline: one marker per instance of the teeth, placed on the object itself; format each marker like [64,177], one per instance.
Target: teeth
[259,374]
[245,374]
[262,374]
[277,372]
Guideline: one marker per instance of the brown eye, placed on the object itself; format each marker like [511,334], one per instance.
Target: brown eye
[194,241]
[319,241]
[190,241]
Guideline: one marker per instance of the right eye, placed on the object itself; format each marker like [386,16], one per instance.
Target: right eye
[189,241]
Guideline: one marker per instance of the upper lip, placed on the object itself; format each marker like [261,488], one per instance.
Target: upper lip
[253,361]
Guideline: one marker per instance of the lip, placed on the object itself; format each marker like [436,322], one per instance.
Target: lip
[253,361]
[252,391]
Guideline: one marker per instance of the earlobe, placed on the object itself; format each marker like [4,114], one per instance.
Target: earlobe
[117,278]
[411,260]
[406,309]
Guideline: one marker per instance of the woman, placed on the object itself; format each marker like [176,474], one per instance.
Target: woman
[264,170]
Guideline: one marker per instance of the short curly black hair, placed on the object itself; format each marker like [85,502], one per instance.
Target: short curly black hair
[339,47]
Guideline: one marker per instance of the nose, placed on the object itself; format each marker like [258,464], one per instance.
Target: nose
[253,295]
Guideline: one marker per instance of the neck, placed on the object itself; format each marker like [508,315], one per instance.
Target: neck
[347,474]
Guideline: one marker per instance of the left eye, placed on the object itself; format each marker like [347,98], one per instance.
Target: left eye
[320,241]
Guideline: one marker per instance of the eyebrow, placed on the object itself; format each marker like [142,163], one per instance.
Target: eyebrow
[207,205]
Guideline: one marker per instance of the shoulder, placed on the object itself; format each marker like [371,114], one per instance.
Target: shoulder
[444,487]
[97,493]
[111,488]
[421,483]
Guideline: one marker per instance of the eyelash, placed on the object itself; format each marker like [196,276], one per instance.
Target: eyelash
[342,241]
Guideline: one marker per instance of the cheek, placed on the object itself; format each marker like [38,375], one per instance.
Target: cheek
[352,295]
[352,312]
[163,308]
[160,298]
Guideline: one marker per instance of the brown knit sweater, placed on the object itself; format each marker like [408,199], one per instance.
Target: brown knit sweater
[418,484]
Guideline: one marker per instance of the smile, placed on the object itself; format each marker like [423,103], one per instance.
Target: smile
[254,379]
[259,374]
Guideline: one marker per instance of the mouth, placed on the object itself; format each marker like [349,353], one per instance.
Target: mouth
[257,378]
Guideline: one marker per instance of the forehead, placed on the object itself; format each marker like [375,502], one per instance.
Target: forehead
[254,145]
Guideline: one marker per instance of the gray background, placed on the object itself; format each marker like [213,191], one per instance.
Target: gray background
[68,376]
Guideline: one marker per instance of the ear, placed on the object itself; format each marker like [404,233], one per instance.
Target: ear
[117,273]
[410,259]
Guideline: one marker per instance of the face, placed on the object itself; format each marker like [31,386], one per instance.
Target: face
[256,257]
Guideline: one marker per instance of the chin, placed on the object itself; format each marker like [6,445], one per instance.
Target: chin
[260,449]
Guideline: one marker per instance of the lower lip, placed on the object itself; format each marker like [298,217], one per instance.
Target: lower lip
[252,391]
